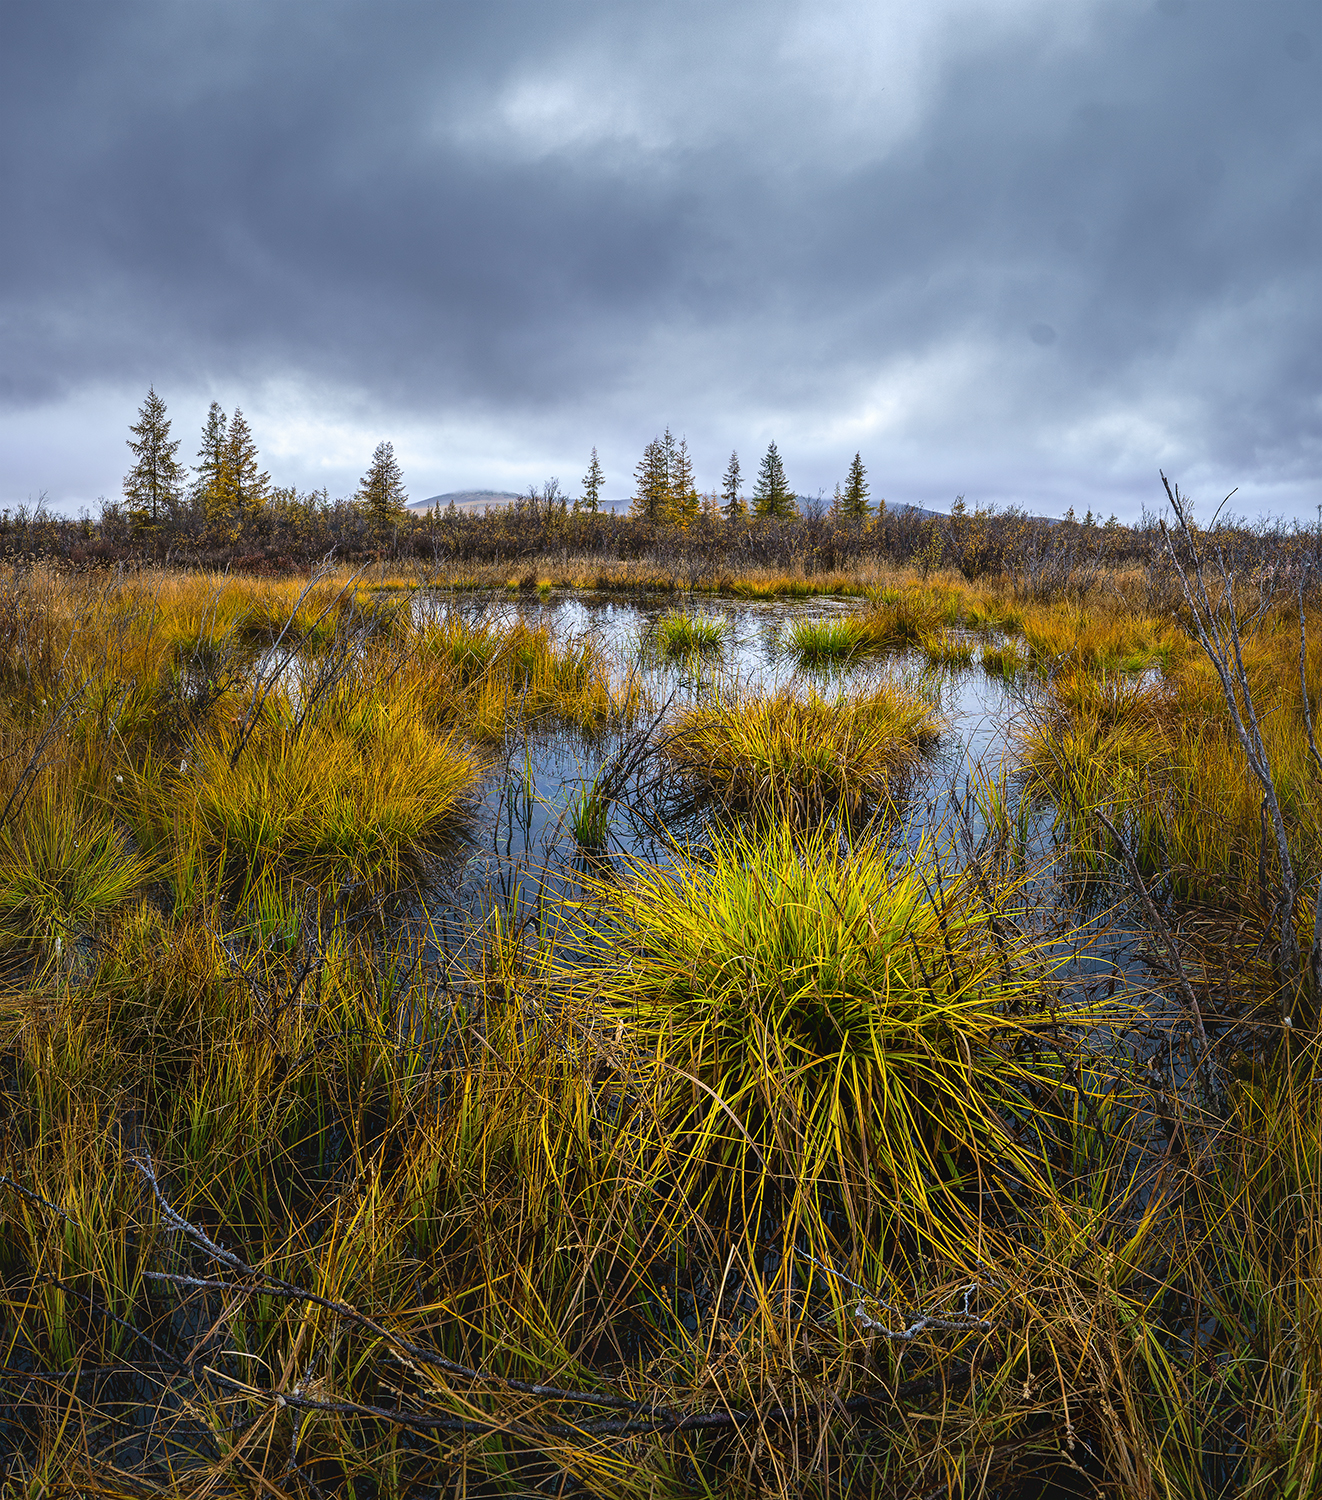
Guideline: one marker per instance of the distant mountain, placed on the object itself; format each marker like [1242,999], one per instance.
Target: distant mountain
[470,500]
[474,502]
[896,508]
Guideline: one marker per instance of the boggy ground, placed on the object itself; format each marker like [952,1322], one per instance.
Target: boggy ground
[799,1163]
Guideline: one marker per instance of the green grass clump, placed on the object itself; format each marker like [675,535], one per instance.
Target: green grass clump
[860,993]
[800,756]
[821,642]
[64,866]
[589,817]
[1009,658]
[678,633]
[947,649]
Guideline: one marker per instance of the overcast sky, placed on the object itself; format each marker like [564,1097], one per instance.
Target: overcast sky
[1026,250]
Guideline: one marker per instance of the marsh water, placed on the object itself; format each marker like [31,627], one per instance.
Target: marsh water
[521,853]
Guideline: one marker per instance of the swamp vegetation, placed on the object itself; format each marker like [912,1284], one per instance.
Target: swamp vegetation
[507,1042]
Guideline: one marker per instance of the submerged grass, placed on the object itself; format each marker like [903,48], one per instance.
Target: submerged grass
[800,755]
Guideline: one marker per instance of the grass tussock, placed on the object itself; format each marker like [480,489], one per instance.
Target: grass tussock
[776,964]
[1160,754]
[1007,658]
[816,643]
[354,805]
[678,634]
[64,866]
[948,649]
[800,755]
[490,675]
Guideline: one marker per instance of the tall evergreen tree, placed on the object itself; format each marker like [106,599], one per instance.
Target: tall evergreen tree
[381,491]
[155,483]
[592,483]
[243,486]
[854,502]
[733,505]
[210,461]
[772,495]
[652,499]
[684,499]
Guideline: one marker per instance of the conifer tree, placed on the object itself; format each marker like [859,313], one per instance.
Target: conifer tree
[772,495]
[652,499]
[155,483]
[854,501]
[592,483]
[381,491]
[210,461]
[733,507]
[243,486]
[684,499]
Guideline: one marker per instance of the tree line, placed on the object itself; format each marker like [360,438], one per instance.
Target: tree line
[665,492]
[226,492]
[224,511]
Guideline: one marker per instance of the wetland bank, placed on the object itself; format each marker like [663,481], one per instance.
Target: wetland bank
[813,1034]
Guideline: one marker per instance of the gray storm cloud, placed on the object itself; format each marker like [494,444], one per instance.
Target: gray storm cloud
[1028,251]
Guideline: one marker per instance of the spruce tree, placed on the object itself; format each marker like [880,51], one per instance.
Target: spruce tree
[592,483]
[772,495]
[381,491]
[854,502]
[684,498]
[210,460]
[155,483]
[652,499]
[734,507]
[244,487]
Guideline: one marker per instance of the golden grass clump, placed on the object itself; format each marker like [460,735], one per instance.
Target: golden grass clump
[947,649]
[1106,640]
[796,755]
[863,986]
[1160,756]
[1006,658]
[490,676]
[358,798]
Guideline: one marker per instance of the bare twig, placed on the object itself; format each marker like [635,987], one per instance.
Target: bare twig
[1218,632]
[1303,679]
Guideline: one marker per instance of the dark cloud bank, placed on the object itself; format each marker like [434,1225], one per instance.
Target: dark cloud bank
[1027,251]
